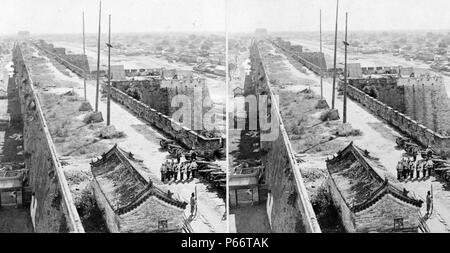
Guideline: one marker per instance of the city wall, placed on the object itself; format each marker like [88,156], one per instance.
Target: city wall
[426,101]
[290,209]
[158,93]
[404,123]
[174,129]
[314,61]
[53,209]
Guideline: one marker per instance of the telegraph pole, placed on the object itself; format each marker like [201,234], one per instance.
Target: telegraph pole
[84,52]
[335,49]
[108,103]
[345,73]
[98,57]
[321,70]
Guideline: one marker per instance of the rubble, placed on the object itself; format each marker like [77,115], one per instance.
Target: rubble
[331,114]
[110,132]
[93,117]
[85,106]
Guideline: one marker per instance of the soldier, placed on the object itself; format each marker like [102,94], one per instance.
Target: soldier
[170,170]
[175,171]
[430,166]
[178,154]
[193,168]
[193,204]
[411,168]
[188,170]
[424,168]
[399,170]
[429,200]
[429,152]
[418,168]
[163,171]
[193,155]
[405,167]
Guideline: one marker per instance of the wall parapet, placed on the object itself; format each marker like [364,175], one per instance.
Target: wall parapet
[174,129]
[404,123]
[279,161]
[297,56]
[77,70]
[54,207]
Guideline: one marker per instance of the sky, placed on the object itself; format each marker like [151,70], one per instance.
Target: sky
[65,16]
[303,15]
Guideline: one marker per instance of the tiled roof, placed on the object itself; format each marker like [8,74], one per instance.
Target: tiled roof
[123,187]
[355,175]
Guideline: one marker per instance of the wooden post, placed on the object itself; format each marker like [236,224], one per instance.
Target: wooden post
[344,117]
[335,50]
[84,52]
[108,103]
[321,70]
[98,57]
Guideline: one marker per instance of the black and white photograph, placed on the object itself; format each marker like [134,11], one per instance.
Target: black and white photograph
[228,120]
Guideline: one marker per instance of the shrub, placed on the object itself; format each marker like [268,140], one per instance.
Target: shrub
[90,214]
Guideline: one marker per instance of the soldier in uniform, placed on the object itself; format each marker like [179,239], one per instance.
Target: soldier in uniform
[163,171]
[176,168]
[430,166]
[193,167]
[405,167]
[399,170]
[411,167]
[424,168]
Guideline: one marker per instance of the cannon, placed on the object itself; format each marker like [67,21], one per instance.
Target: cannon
[408,145]
[165,143]
[443,172]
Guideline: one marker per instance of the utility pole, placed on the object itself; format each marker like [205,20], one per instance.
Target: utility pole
[335,49]
[108,103]
[321,70]
[98,57]
[345,73]
[84,52]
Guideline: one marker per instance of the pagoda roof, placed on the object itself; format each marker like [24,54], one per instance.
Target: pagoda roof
[355,174]
[122,185]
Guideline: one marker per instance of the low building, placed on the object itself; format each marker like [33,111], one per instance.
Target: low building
[365,201]
[11,187]
[130,203]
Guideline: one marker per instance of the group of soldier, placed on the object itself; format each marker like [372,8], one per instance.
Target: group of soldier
[171,169]
[408,165]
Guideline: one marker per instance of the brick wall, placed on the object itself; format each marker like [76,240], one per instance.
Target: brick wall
[380,217]
[158,94]
[426,101]
[314,61]
[145,217]
[55,210]
[404,123]
[77,63]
